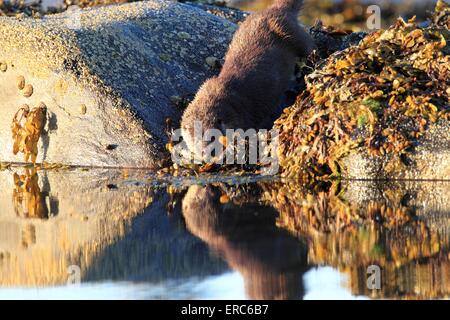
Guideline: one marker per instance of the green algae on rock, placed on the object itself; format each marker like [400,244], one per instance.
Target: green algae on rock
[377,110]
[106,59]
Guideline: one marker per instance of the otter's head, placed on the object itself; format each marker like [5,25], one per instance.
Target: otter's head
[211,109]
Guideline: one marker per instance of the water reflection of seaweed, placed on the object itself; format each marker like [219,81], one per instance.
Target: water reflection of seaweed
[348,13]
[271,262]
[410,244]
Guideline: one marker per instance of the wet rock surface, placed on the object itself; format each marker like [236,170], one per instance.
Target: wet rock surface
[108,77]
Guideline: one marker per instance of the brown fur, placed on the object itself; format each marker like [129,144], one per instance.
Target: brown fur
[258,66]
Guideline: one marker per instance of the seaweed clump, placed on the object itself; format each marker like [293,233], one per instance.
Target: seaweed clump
[27,127]
[380,95]
[21,8]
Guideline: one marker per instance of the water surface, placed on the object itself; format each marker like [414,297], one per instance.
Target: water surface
[133,235]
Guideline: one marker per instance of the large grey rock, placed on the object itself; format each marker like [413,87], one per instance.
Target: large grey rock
[124,63]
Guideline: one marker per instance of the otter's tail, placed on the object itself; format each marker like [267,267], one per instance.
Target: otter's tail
[291,5]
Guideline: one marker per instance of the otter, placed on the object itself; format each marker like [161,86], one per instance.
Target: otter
[257,70]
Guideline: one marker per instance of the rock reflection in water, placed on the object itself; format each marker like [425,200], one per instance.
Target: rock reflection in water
[107,222]
[271,261]
[29,201]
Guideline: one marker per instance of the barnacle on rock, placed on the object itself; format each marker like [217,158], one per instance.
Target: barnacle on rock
[28,91]
[27,127]
[380,95]
[20,81]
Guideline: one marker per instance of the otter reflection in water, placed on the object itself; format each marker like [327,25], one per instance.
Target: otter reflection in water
[271,262]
